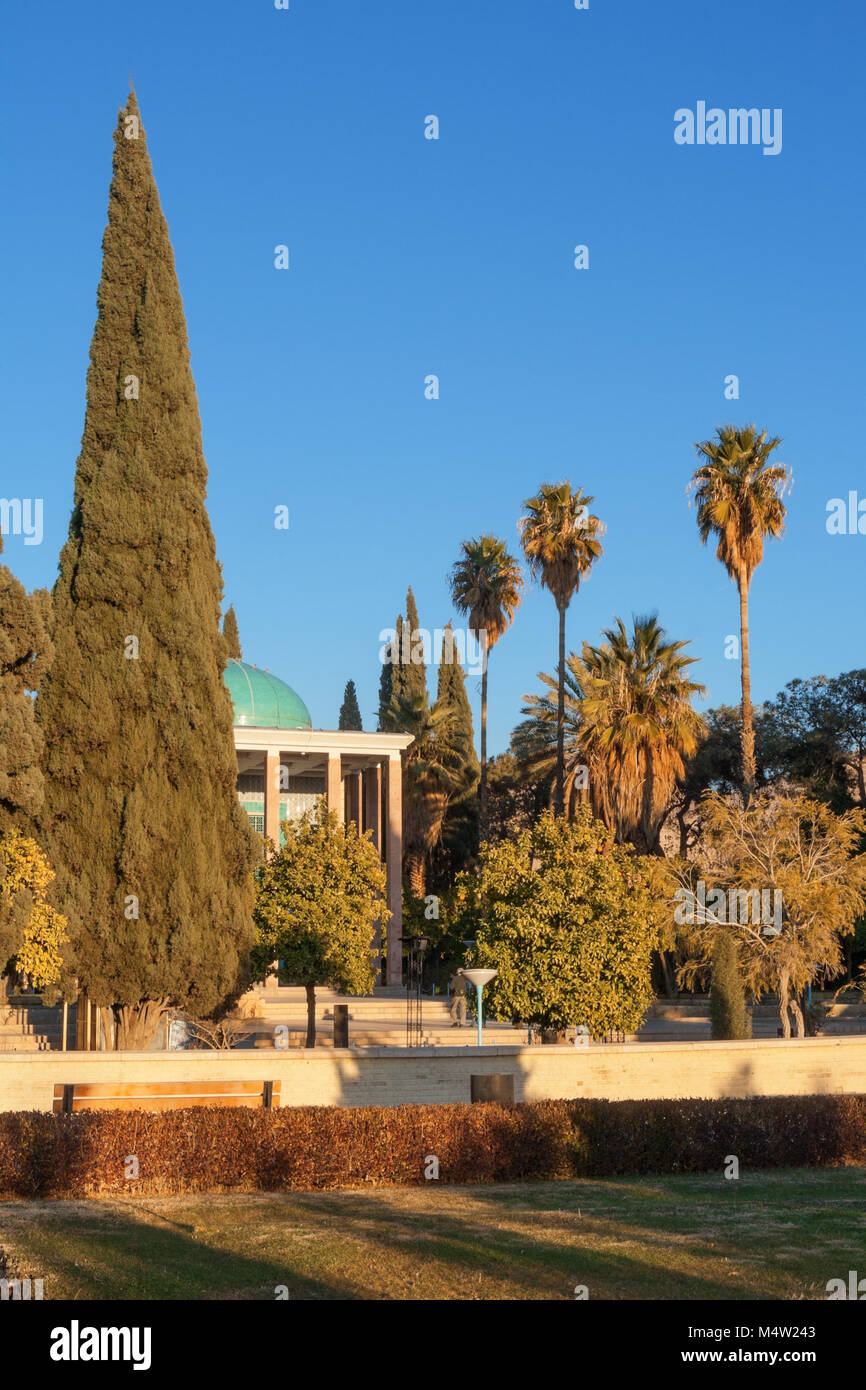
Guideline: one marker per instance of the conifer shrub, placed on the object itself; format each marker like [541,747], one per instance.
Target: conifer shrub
[314,1148]
[729,1015]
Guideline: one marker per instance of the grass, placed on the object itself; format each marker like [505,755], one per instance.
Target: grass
[768,1235]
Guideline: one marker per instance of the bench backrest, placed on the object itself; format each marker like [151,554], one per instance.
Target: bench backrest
[164,1095]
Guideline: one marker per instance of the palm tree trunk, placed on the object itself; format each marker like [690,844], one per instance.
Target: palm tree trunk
[417,872]
[748,735]
[482,790]
[559,801]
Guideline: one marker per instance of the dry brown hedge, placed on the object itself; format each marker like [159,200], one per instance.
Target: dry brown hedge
[212,1149]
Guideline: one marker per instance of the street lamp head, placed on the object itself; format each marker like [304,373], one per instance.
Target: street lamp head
[480,978]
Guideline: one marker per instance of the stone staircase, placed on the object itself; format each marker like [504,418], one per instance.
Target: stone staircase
[26,1025]
[377,1020]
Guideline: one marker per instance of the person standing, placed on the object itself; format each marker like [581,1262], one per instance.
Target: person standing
[458,999]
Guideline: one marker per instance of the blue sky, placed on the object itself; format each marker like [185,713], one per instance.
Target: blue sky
[455,257]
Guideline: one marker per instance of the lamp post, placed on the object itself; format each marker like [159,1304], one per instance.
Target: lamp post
[480,978]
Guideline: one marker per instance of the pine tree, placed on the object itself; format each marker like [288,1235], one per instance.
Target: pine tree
[152,851]
[729,1016]
[25,652]
[231,634]
[350,714]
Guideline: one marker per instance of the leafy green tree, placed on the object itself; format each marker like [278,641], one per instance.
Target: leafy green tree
[714,765]
[231,635]
[815,732]
[738,494]
[152,851]
[804,852]
[563,914]
[350,713]
[317,902]
[729,1016]
[486,585]
[561,541]
[515,796]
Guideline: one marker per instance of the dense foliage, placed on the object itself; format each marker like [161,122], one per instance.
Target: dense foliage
[563,914]
[315,1148]
[317,902]
[152,851]
[26,915]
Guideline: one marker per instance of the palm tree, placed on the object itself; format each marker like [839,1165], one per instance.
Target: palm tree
[535,741]
[638,724]
[738,494]
[486,585]
[631,722]
[561,542]
[431,774]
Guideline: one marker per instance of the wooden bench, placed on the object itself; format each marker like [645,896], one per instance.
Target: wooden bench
[165,1095]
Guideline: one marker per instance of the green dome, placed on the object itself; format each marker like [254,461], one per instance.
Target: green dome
[261,701]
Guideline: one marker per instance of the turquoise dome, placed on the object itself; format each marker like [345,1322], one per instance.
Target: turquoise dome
[262,701]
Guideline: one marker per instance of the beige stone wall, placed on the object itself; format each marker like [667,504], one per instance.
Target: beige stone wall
[438,1076]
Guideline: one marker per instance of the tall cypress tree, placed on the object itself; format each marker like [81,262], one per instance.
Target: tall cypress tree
[460,828]
[407,678]
[231,634]
[412,653]
[152,850]
[386,688]
[25,652]
[392,681]
[451,695]
[350,714]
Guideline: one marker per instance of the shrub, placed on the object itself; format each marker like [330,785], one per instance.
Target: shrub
[212,1149]
[729,1017]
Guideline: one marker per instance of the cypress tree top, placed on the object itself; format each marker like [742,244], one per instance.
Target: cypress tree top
[350,714]
[232,635]
[152,851]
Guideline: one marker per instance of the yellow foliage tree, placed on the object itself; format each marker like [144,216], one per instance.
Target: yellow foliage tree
[25,875]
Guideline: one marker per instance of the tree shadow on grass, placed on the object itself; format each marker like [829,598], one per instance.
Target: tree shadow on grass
[536,1267]
[101,1250]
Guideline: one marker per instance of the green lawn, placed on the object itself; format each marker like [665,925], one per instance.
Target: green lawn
[767,1235]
